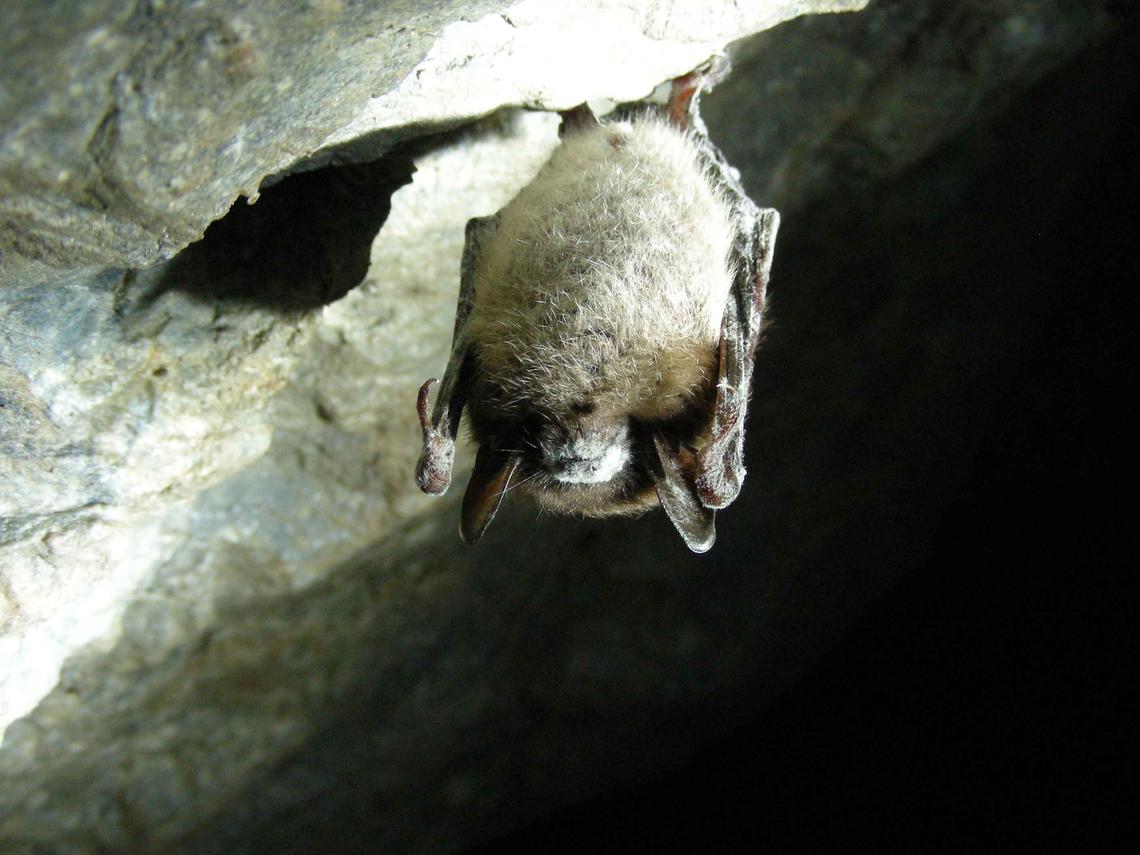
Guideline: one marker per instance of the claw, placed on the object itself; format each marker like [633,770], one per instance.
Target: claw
[422,405]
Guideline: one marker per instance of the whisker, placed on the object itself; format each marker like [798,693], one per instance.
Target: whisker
[520,483]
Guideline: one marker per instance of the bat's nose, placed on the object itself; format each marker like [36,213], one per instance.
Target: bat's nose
[590,457]
[575,469]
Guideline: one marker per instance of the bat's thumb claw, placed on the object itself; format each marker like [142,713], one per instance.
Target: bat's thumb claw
[422,406]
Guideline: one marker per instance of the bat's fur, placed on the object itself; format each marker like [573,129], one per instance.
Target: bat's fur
[618,297]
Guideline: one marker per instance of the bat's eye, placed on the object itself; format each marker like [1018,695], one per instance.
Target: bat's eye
[585,455]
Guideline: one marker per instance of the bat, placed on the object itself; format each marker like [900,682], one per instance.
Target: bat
[607,321]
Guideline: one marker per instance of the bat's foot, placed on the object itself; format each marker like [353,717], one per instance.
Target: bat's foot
[682,105]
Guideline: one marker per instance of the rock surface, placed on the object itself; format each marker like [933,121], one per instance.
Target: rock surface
[158,386]
[208,518]
[126,130]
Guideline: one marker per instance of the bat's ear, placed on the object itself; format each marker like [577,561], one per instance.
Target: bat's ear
[491,478]
[677,491]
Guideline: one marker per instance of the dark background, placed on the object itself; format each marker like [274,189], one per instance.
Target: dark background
[980,704]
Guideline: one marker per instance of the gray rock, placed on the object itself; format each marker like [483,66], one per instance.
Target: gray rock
[228,621]
[124,131]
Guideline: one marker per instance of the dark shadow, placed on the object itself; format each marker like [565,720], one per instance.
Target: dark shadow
[304,244]
[978,703]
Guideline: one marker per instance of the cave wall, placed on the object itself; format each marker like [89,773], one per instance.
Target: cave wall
[222,596]
[129,128]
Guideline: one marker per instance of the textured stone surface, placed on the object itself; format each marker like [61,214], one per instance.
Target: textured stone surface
[126,129]
[269,637]
[158,385]
[205,401]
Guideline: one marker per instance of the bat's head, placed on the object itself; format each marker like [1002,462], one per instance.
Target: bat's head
[605,328]
[587,459]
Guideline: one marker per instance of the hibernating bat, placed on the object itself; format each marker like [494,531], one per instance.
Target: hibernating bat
[606,327]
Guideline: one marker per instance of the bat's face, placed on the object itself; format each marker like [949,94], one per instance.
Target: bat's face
[587,466]
[590,460]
